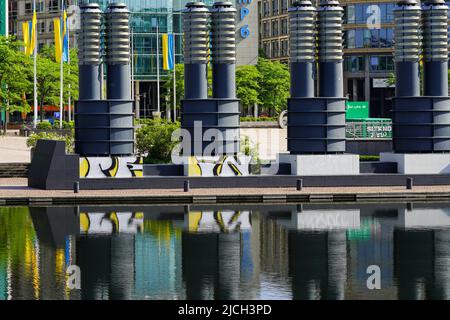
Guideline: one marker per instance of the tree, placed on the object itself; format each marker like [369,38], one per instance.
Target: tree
[275,84]
[48,78]
[15,74]
[248,79]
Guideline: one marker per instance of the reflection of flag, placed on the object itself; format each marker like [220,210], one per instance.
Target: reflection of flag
[167,51]
[61,39]
[29,34]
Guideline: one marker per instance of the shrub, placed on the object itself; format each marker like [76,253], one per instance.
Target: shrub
[34,137]
[259,119]
[369,158]
[44,125]
[153,140]
[66,125]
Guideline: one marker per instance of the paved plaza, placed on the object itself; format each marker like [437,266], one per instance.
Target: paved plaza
[13,148]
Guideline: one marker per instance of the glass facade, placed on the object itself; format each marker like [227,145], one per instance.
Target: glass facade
[361,12]
[145,16]
[369,38]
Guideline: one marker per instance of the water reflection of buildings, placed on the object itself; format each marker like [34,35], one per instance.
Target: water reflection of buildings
[318,250]
[422,252]
[229,252]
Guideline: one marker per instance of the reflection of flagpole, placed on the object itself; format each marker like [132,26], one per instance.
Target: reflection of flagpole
[61,68]
[68,64]
[35,73]
[157,65]
[174,80]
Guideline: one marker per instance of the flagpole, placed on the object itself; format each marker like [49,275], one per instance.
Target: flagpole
[157,65]
[35,107]
[174,81]
[61,71]
[68,64]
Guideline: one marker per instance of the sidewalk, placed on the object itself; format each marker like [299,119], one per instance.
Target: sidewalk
[13,148]
[15,191]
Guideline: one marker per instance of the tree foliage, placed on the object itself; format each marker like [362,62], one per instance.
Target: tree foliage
[15,75]
[266,84]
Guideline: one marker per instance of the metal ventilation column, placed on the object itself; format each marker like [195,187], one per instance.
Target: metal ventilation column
[89,52]
[118,52]
[195,24]
[435,45]
[316,125]
[302,19]
[223,24]
[330,49]
[421,123]
[407,48]
[217,118]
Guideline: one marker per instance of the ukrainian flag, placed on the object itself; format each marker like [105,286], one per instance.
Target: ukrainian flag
[29,34]
[61,39]
[167,52]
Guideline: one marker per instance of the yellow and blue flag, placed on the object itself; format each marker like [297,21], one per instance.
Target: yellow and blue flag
[29,34]
[168,52]
[61,38]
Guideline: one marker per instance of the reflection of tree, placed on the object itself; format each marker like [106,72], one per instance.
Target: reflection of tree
[18,235]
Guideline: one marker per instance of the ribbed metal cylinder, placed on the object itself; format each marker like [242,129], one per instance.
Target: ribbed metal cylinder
[435,47]
[330,49]
[195,27]
[407,35]
[223,51]
[118,52]
[89,51]
[302,48]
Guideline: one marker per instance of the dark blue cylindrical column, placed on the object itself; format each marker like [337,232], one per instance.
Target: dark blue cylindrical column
[118,52]
[223,24]
[302,17]
[195,24]
[435,47]
[407,48]
[330,49]
[89,52]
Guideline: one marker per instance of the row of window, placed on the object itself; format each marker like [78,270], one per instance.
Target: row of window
[364,13]
[376,63]
[276,48]
[275,7]
[41,6]
[275,28]
[366,38]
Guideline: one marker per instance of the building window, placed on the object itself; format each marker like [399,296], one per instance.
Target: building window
[359,13]
[284,26]
[266,48]
[266,29]
[53,5]
[354,63]
[381,63]
[365,38]
[266,9]
[274,28]
[274,7]
[284,6]
[284,48]
[275,49]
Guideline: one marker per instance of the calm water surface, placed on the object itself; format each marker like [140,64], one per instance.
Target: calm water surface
[226,252]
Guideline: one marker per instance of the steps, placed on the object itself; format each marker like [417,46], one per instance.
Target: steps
[14,170]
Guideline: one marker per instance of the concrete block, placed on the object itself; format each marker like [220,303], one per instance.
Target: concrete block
[419,163]
[321,164]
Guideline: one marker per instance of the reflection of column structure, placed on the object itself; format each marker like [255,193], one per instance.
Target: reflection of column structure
[211,265]
[441,289]
[413,262]
[318,264]
[122,266]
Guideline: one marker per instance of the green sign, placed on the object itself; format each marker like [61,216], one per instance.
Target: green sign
[356,109]
[3,17]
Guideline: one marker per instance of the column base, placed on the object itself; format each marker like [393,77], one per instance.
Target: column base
[419,163]
[321,164]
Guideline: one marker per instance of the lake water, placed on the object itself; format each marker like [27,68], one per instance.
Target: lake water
[309,251]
